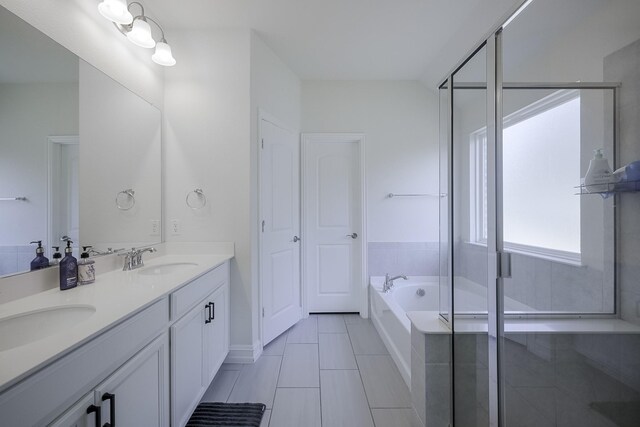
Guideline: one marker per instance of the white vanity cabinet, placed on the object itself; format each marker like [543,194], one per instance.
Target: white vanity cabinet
[129,360]
[199,339]
[134,395]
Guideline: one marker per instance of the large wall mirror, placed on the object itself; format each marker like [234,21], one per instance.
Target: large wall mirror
[80,155]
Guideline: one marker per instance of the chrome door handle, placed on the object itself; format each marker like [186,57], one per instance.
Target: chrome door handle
[353,235]
[296,239]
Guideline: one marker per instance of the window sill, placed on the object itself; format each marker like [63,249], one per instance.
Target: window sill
[545,254]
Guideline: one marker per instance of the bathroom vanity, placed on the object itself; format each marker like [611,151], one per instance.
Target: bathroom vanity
[135,348]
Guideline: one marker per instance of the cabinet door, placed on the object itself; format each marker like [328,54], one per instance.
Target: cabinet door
[187,364]
[137,393]
[82,414]
[216,332]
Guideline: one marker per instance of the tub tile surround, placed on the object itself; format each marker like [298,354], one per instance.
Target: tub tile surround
[363,390]
[430,378]
[408,258]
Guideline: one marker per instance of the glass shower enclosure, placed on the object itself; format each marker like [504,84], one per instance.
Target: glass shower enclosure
[540,273]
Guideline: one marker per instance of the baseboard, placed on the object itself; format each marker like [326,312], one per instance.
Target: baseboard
[244,353]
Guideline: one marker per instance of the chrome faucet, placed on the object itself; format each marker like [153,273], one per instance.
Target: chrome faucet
[133,258]
[388,282]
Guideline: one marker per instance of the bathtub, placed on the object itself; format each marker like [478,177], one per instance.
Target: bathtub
[388,314]
[389,310]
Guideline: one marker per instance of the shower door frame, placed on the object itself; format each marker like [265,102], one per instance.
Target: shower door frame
[499,262]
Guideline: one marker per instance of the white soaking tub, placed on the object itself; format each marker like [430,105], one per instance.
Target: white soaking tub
[389,314]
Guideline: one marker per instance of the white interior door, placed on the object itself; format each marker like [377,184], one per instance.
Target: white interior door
[64,208]
[333,222]
[280,229]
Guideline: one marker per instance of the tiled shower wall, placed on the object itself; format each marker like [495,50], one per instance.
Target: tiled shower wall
[410,259]
[542,284]
[624,66]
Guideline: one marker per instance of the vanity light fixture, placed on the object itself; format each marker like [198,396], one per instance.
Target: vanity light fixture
[137,29]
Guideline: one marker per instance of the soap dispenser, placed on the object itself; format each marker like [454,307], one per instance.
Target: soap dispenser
[40,261]
[86,268]
[68,269]
[57,256]
[598,175]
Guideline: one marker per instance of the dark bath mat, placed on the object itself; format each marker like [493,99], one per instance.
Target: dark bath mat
[209,414]
[623,414]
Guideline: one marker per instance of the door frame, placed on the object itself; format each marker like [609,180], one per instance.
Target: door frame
[263,115]
[332,137]
[54,143]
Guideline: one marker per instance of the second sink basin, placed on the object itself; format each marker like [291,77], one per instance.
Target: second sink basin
[35,325]
[168,268]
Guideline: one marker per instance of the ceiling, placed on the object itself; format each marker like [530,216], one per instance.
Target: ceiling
[350,39]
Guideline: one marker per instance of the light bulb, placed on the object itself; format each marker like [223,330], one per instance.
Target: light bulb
[116,11]
[140,34]
[163,55]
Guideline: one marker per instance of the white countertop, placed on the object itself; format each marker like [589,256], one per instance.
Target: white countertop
[116,295]
[429,322]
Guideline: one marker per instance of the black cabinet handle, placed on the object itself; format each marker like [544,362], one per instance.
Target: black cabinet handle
[213,310]
[112,409]
[208,307]
[97,411]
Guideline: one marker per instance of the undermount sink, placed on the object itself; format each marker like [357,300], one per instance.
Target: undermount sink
[35,325]
[168,268]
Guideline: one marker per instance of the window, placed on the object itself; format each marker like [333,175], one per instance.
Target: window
[541,167]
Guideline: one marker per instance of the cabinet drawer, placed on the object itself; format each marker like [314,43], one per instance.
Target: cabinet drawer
[188,296]
[44,395]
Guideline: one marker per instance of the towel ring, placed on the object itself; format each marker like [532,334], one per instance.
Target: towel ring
[196,199]
[125,199]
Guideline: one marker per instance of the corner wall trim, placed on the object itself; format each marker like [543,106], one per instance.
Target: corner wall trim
[244,353]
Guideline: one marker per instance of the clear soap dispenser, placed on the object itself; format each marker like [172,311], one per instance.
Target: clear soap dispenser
[40,261]
[57,256]
[86,268]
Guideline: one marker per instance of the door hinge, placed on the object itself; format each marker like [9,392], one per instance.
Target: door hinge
[263,225]
[262,311]
[262,141]
[504,265]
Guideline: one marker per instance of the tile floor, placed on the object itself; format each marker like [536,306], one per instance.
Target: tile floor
[328,370]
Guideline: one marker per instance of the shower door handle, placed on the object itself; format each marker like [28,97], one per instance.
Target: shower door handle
[353,235]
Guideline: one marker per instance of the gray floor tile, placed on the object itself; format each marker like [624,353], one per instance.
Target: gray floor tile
[257,381]
[221,386]
[392,417]
[266,417]
[343,400]
[331,324]
[276,347]
[296,407]
[351,319]
[365,339]
[383,384]
[304,332]
[300,367]
[336,352]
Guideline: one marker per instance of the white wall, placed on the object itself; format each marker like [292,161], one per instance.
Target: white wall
[119,149]
[29,113]
[206,134]
[400,121]
[212,97]
[77,25]
[275,90]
